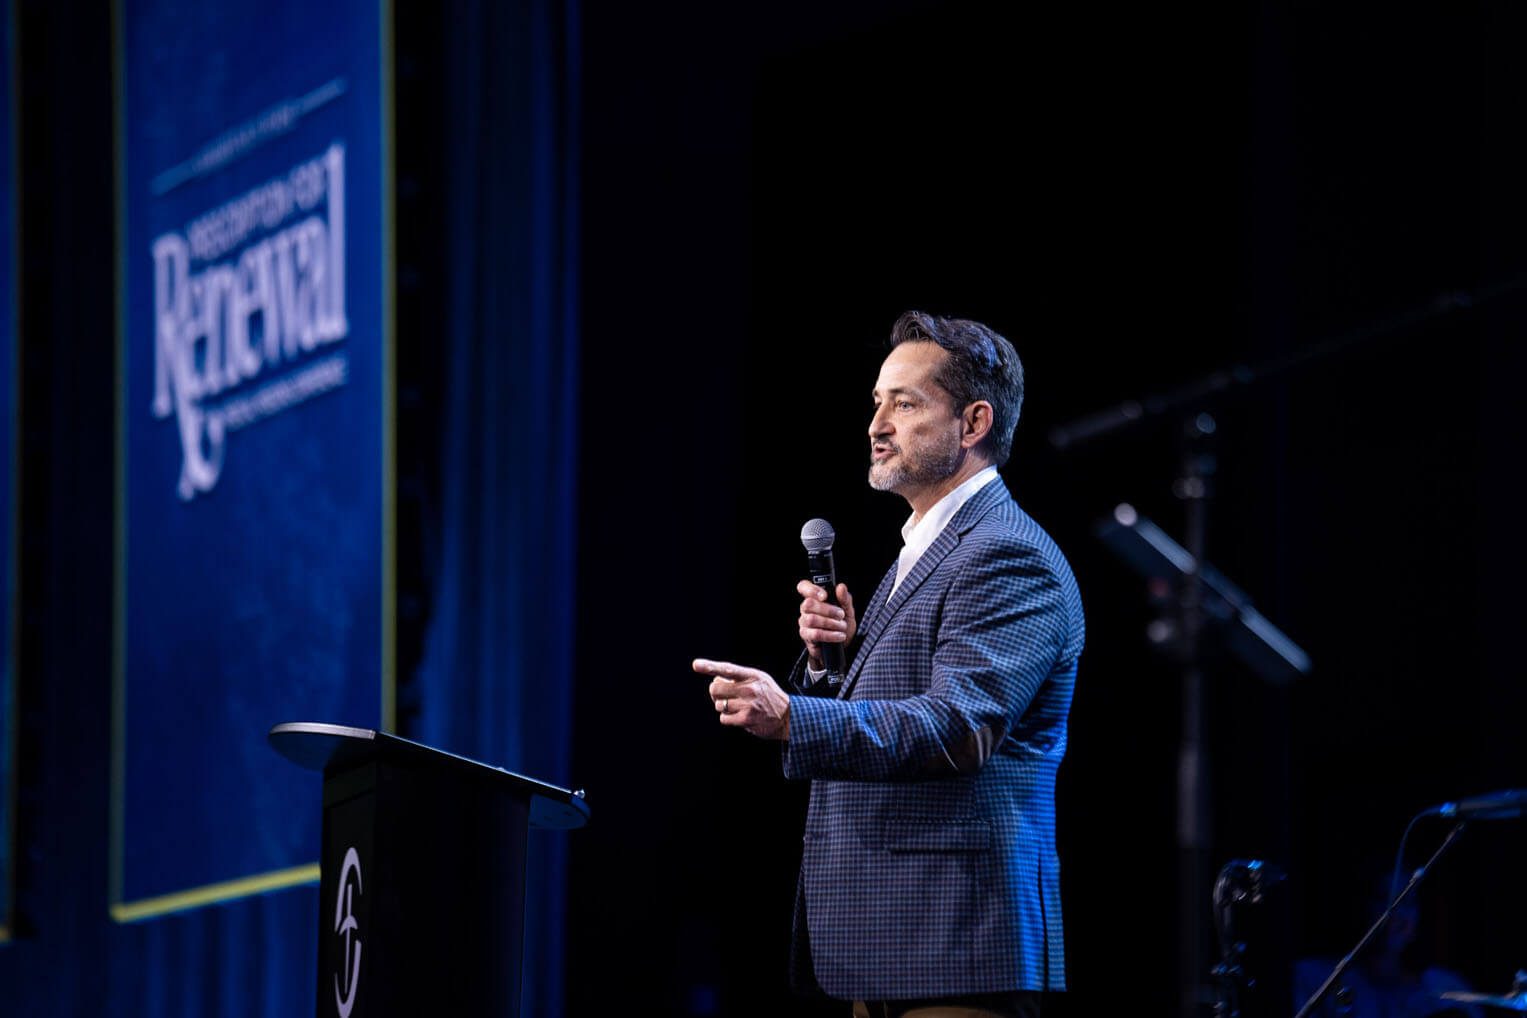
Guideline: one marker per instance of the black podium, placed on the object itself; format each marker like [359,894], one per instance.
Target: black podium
[422,897]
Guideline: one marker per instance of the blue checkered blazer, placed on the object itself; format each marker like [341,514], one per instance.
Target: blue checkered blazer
[929,864]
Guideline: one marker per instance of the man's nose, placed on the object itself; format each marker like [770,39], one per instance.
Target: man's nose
[880,423]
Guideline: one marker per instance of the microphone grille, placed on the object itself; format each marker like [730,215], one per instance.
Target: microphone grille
[817,536]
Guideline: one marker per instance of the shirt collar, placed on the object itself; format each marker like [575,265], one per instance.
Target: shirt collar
[918,534]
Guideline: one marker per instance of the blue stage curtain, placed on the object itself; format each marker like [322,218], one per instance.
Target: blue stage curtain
[495,682]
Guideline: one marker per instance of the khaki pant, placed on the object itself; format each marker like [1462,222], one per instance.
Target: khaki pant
[878,1009]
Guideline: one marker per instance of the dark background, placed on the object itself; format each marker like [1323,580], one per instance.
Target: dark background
[1135,198]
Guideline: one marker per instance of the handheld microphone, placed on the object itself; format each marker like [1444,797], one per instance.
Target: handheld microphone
[1508,804]
[817,537]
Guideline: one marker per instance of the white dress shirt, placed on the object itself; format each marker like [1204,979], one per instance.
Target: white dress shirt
[919,534]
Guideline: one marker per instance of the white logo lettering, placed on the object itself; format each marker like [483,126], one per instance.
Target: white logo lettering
[248,310]
[348,929]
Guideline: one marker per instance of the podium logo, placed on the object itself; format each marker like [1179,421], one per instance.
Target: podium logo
[249,300]
[347,929]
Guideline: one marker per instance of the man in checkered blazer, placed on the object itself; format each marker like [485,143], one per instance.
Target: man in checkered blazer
[929,880]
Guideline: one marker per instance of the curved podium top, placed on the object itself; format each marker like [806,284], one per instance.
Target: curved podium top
[317,746]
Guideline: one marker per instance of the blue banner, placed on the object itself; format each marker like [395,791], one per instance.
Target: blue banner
[254,473]
[9,460]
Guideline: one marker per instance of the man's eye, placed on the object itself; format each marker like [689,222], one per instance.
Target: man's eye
[904,404]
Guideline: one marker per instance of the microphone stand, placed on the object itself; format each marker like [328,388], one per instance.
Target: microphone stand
[1378,924]
[1215,384]
[1240,881]
[1193,819]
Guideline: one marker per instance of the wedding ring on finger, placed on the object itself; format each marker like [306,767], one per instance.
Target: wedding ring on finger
[724,701]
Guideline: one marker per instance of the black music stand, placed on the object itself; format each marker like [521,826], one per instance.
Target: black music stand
[1205,601]
[422,894]
[1246,632]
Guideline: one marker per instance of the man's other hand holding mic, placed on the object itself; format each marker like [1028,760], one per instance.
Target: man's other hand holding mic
[750,699]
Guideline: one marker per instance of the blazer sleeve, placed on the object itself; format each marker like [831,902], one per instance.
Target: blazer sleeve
[1001,632]
[799,682]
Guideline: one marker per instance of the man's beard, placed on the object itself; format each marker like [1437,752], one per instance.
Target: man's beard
[928,466]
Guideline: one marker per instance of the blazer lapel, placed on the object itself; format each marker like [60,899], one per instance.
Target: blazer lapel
[876,606]
[948,539]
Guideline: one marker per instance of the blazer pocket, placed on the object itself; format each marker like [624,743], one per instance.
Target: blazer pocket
[950,836]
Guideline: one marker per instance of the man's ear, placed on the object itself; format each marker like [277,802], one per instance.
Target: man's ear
[977,421]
